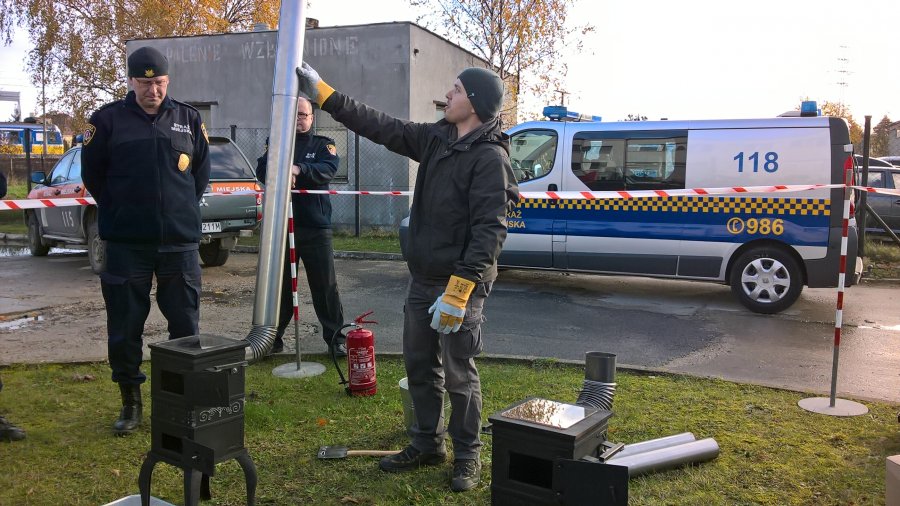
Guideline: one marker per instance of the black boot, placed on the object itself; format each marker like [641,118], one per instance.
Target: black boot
[130,417]
[9,432]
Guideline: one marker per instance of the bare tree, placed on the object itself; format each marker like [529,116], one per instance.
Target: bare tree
[523,40]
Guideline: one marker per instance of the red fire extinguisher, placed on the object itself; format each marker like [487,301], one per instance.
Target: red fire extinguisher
[360,358]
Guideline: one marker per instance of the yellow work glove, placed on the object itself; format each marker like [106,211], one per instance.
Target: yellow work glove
[450,307]
[312,85]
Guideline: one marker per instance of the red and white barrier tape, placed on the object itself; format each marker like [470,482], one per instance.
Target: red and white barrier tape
[566,195]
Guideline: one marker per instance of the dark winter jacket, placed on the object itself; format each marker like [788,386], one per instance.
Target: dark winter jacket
[318,161]
[147,174]
[464,188]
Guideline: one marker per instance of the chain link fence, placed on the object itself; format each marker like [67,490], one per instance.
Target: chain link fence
[363,165]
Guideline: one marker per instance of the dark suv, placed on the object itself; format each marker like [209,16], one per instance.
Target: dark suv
[224,216]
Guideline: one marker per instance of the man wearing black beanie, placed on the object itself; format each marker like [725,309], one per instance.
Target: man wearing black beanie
[457,225]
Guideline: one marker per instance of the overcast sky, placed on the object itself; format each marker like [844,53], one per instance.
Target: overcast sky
[695,59]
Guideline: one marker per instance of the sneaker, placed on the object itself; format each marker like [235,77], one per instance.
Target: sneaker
[466,474]
[9,432]
[339,351]
[409,459]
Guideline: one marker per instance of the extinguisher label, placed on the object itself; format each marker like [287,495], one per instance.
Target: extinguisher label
[362,366]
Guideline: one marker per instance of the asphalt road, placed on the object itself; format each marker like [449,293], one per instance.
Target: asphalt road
[684,327]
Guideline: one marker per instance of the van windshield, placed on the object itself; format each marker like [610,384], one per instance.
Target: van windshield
[532,153]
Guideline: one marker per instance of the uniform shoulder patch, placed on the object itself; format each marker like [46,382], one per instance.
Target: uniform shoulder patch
[88,134]
[331,149]
[203,129]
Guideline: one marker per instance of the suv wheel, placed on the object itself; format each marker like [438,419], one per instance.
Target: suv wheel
[35,244]
[214,254]
[96,246]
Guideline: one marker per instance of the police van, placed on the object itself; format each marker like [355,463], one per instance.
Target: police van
[766,246]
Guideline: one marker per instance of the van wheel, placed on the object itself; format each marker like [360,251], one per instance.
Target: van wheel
[214,254]
[766,280]
[35,244]
[96,246]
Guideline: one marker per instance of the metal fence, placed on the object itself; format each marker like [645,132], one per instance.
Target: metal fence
[363,165]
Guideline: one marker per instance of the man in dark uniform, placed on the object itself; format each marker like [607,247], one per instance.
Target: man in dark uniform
[315,163]
[457,225]
[146,162]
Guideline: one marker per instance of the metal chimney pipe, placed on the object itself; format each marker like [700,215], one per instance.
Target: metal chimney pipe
[288,56]
[669,457]
[599,380]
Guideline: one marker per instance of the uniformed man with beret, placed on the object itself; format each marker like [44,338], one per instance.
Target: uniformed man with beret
[315,164]
[145,161]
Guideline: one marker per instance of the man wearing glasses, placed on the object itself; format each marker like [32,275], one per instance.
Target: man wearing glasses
[146,162]
[315,164]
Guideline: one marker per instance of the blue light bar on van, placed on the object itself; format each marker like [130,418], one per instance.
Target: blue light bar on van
[809,108]
[562,113]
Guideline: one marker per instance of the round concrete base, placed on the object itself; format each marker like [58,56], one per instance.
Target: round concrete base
[842,407]
[306,369]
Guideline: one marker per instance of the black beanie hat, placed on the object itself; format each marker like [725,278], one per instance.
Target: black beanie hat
[485,90]
[147,62]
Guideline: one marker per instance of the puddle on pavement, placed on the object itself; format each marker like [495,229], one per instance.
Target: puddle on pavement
[20,322]
[16,251]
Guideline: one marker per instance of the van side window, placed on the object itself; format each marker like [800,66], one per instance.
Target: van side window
[599,163]
[655,164]
[615,161]
[532,153]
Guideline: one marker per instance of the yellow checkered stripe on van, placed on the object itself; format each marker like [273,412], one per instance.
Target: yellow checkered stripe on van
[724,205]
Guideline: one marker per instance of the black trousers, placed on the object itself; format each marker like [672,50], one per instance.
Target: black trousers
[315,250]
[126,285]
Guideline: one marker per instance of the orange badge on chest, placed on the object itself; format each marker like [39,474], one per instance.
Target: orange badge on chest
[183,162]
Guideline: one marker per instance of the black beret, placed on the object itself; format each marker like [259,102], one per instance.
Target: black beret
[147,62]
[484,89]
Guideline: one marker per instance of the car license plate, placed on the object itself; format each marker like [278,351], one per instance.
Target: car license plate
[211,226]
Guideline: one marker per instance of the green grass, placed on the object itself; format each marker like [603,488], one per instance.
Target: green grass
[772,452]
[373,241]
[11,222]
[882,259]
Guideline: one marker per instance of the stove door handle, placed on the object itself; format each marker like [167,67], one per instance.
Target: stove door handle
[225,367]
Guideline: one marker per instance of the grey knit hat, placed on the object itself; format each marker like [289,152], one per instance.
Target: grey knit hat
[485,90]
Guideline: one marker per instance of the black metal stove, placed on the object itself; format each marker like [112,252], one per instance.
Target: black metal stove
[538,452]
[197,391]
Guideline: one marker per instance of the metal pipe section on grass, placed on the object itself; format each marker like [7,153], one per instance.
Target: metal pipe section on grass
[668,458]
[655,444]
[288,56]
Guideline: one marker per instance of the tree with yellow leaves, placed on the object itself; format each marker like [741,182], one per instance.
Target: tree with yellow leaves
[522,39]
[79,45]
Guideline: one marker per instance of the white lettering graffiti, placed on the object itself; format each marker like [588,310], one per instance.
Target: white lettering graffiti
[330,46]
[194,54]
[258,49]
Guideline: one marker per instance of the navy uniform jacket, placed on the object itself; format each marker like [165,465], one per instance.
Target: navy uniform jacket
[318,161]
[147,174]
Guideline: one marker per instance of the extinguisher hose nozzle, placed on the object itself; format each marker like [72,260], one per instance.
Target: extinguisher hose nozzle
[333,349]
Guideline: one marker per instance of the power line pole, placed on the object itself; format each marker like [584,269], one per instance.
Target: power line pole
[843,73]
